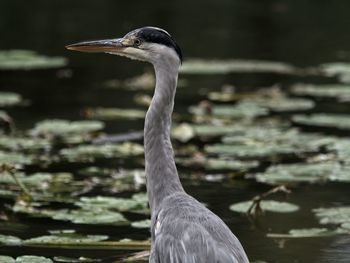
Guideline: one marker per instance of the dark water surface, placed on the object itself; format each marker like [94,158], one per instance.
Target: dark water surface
[299,32]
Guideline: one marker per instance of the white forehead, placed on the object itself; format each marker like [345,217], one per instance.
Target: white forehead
[159,29]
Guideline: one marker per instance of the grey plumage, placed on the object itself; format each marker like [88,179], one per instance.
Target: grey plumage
[182,229]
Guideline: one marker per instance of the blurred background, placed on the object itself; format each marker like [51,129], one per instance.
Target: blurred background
[237,55]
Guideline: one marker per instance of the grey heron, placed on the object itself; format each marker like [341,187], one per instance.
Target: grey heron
[183,230]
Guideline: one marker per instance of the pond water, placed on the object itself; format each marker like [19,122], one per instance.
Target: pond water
[302,33]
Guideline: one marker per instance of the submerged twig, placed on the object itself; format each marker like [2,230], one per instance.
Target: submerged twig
[255,208]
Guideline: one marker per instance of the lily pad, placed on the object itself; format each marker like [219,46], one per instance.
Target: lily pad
[114,113]
[308,233]
[305,172]
[10,240]
[266,205]
[9,99]
[33,259]
[217,164]
[141,224]
[334,91]
[92,152]
[201,66]
[75,260]
[65,238]
[337,121]
[28,60]
[62,128]
[7,259]
[24,143]
[340,69]
[333,215]
[15,158]
[240,110]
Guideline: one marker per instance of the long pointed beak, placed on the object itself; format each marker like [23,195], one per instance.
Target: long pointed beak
[107,45]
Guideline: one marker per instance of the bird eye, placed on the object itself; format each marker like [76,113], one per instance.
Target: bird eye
[137,42]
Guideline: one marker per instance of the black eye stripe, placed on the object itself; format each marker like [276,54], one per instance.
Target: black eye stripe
[154,35]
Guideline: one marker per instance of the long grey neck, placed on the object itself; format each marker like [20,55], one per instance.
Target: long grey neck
[161,172]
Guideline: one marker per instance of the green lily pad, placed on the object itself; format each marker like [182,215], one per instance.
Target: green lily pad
[305,172]
[15,158]
[62,128]
[240,110]
[75,260]
[65,238]
[136,203]
[9,99]
[33,259]
[283,104]
[340,69]
[28,60]
[337,121]
[334,91]
[7,259]
[266,205]
[92,152]
[217,164]
[24,143]
[307,233]
[333,215]
[201,66]
[114,113]
[98,216]
[10,240]
[141,224]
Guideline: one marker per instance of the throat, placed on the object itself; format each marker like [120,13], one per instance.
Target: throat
[161,172]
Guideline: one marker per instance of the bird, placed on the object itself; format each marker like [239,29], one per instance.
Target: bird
[183,230]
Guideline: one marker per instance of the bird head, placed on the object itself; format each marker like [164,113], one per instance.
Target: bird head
[149,44]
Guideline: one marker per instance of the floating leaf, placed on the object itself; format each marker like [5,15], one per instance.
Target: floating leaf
[335,91]
[305,172]
[15,158]
[33,259]
[307,233]
[9,98]
[75,260]
[64,238]
[10,240]
[141,224]
[283,104]
[200,66]
[337,121]
[240,110]
[7,259]
[136,203]
[28,60]
[266,205]
[62,128]
[91,152]
[333,215]
[24,143]
[217,164]
[340,69]
[114,113]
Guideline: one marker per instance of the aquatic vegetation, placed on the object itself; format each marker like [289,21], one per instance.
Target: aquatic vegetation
[10,99]
[201,66]
[336,121]
[62,128]
[305,172]
[266,205]
[114,113]
[28,60]
[308,233]
[333,91]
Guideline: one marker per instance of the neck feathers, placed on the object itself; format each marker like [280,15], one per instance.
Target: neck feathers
[161,172]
